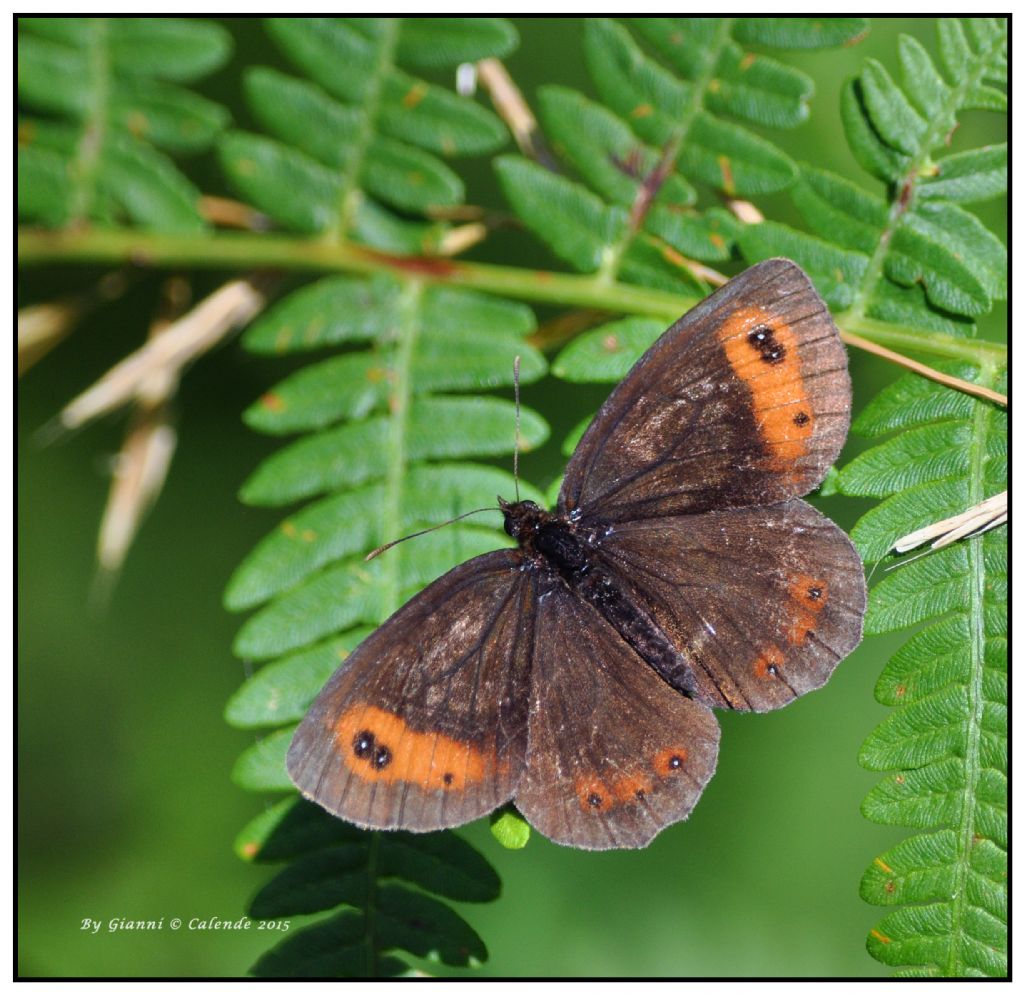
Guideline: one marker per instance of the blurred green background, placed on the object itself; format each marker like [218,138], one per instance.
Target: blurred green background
[125,804]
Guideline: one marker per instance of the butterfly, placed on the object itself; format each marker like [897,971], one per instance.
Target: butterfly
[576,673]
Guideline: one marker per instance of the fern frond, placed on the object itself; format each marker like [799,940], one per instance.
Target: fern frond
[333,864]
[384,446]
[662,128]
[375,153]
[109,88]
[944,746]
[914,257]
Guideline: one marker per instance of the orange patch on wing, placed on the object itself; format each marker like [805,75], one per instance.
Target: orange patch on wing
[595,794]
[670,760]
[380,747]
[808,596]
[763,353]
[631,788]
[768,663]
[809,591]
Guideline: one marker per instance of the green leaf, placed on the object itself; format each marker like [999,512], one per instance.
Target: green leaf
[753,87]
[575,224]
[333,311]
[167,47]
[892,115]
[944,741]
[967,177]
[439,428]
[603,148]
[292,827]
[167,116]
[835,272]
[451,356]
[101,75]
[437,120]
[42,186]
[801,32]
[607,353]
[287,184]
[261,766]
[510,828]
[283,690]
[344,524]
[439,862]
[439,42]
[335,947]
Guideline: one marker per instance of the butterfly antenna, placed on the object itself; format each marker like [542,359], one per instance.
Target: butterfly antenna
[384,548]
[515,451]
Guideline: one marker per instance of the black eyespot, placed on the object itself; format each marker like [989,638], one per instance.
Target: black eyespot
[674,762]
[641,794]
[381,757]
[772,669]
[801,418]
[814,593]
[362,744]
[770,349]
[448,778]
[594,800]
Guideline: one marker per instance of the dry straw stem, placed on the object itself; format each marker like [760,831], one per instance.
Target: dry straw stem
[919,367]
[232,306]
[513,109]
[141,467]
[41,327]
[988,514]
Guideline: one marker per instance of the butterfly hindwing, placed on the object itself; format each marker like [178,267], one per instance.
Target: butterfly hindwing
[745,400]
[761,603]
[615,754]
[424,726]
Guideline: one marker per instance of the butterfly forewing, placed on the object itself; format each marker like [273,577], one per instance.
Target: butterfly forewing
[743,401]
[424,726]
[761,603]
[615,753]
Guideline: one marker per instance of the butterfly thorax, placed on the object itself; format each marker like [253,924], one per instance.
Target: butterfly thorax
[546,538]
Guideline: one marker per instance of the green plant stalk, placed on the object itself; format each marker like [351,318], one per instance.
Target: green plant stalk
[232,250]
[397,468]
[370,912]
[349,196]
[954,967]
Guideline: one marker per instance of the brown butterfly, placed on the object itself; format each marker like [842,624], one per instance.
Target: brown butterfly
[679,572]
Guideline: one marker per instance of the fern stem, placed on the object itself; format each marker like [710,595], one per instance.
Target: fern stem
[228,249]
[349,195]
[370,912]
[397,470]
[86,164]
[648,189]
[954,966]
